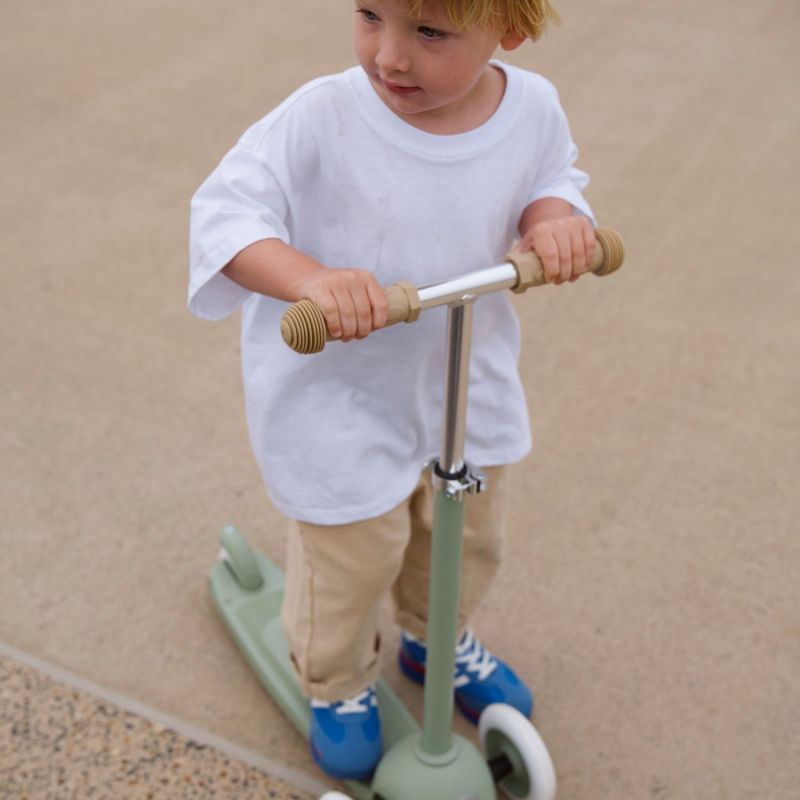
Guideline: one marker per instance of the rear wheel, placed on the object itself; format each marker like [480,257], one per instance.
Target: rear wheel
[517,754]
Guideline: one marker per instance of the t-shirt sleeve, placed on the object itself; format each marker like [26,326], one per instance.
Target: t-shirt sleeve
[558,176]
[241,202]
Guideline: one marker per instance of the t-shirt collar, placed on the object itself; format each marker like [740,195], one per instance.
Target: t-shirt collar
[397,130]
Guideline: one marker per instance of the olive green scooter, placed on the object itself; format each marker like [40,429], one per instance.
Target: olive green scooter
[431,762]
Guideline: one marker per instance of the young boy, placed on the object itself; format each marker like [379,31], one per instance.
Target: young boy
[426,160]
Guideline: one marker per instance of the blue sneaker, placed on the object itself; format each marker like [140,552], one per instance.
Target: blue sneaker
[346,736]
[480,678]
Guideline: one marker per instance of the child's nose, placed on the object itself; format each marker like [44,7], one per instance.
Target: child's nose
[392,55]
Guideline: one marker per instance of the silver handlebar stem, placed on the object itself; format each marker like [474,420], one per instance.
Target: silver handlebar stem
[459,294]
[459,342]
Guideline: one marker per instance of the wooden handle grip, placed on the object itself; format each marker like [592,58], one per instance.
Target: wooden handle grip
[403,301]
[608,258]
[303,326]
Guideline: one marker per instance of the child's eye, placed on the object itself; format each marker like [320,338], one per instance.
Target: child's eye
[431,33]
[369,16]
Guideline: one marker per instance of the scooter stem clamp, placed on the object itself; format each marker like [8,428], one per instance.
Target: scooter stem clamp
[469,480]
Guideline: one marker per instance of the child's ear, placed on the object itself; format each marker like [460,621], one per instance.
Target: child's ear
[512,40]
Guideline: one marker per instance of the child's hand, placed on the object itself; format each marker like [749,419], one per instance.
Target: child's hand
[351,300]
[565,247]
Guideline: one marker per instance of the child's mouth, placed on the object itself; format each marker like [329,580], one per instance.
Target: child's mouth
[396,88]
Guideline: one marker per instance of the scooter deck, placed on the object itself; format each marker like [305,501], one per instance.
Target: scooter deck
[253,620]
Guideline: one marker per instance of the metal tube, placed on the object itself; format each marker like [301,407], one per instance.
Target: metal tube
[482,281]
[459,341]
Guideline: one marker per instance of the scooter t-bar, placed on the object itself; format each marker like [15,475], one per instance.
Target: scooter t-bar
[303,326]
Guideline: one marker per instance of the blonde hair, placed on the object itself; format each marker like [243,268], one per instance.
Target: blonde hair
[527,17]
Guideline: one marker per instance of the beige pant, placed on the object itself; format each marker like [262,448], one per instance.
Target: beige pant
[338,575]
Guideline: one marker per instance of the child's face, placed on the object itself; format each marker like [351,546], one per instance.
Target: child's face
[423,68]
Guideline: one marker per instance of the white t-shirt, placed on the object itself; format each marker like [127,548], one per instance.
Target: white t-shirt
[342,435]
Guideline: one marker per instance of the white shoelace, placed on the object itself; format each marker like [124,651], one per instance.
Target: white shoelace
[474,658]
[352,705]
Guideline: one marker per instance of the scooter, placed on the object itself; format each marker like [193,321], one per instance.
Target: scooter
[428,762]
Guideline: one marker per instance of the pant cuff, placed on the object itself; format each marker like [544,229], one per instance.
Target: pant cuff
[334,691]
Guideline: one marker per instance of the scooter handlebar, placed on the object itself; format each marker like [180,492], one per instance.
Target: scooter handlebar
[303,325]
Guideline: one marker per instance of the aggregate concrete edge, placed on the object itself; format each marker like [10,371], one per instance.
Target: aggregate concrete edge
[62,733]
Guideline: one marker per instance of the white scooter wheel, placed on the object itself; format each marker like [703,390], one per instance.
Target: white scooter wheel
[335,796]
[505,731]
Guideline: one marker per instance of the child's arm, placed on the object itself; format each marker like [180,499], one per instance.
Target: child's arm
[351,300]
[563,240]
